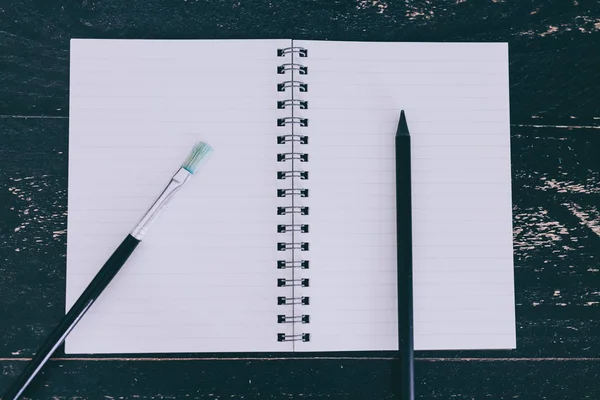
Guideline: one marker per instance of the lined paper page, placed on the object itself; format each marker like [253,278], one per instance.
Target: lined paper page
[204,277]
[456,101]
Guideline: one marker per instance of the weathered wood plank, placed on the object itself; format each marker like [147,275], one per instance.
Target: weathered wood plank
[309,379]
[553,45]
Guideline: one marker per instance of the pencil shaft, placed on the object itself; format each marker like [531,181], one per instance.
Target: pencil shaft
[405,276]
[76,312]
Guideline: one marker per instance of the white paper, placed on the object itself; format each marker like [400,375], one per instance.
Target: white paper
[456,101]
[204,277]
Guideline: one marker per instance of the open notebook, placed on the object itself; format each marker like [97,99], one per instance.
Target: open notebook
[285,240]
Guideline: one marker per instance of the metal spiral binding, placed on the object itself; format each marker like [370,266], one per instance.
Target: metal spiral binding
[291,174]
[292,210]
[292,138]
[302,70]
[303,337]
[281,228]
[284,301]
[301,104]
[287,319]
[292,192]
[282,264]
[304,282]
[302,157]
[293,228]
[284,246]
[302,52]
[303,87]
[292,120]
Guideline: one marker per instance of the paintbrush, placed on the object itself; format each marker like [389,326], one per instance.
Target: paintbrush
[107,272]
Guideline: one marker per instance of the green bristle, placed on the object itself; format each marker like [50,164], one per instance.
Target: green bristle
[199,153]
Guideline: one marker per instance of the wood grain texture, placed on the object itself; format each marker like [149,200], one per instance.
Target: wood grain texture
[554,88]
[553,44]
[311,379]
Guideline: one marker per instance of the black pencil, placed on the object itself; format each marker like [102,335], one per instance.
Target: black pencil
[108,271]
[405,276]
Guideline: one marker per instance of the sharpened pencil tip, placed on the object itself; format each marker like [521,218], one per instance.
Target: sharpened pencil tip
[402,126]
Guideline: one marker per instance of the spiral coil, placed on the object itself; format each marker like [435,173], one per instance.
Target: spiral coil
[292,210]
[304,282]
[293,227]
[292,138]
[303,337]
[292,174]
[302,70]
[290,319]
[302,157]
[292,192]
[284,301]
[284,246]
[301,104]
[292,120]
[303,87]
[302,52]
[282,264]
[282,228]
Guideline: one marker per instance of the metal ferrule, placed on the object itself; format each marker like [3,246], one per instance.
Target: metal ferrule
[173,187]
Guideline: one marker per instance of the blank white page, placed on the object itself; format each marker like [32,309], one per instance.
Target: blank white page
[204,277]
[456,101]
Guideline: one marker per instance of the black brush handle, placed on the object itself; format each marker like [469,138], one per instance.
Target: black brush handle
[83,304]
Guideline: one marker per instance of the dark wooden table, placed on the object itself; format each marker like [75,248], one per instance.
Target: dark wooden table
[555,125]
